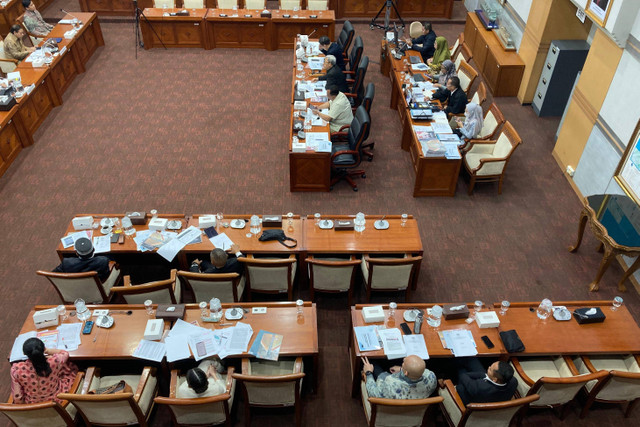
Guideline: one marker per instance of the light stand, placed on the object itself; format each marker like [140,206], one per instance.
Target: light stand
[136,27]
[388,4]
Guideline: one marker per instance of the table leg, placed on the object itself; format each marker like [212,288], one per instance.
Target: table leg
[582,224]
[629,272]
[604,264]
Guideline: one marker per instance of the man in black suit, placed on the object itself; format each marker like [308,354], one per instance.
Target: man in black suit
[425,43]
[220,262]
[86,261]
[454,96]
[334,75]
[334,49]
[475,385]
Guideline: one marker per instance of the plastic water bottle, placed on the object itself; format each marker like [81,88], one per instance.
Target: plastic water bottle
[418,323]
[544,309]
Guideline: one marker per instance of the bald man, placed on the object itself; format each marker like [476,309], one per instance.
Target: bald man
[410,381]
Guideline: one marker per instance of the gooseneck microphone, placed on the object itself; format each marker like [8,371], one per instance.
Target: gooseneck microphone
[74,17]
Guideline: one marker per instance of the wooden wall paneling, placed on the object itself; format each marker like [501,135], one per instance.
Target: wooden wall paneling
[188,34]
[8,15]
[10,145]
[309,171]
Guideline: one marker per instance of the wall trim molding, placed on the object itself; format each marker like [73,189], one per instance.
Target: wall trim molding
[633,47]
[583,103]
[612,138]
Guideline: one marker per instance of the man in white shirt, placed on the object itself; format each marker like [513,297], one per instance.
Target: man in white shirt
[340,113]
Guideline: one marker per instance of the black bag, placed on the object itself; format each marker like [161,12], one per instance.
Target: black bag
[277,235]
[512,342]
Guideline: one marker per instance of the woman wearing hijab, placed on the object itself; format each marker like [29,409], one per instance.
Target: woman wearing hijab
[472,124]
[447,70]
[440,55]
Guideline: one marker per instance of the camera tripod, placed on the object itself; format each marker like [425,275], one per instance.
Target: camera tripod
[136,27]
[388,4]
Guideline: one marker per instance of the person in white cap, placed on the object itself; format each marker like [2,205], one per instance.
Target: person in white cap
[85,261]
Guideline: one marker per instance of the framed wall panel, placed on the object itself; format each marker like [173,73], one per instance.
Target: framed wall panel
[628,172]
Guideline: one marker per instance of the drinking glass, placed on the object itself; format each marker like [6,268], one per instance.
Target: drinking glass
[544,309]
[62,312]
[504,307]
[255,225]
[148,305]
[617,302]
[317,217]
[477,306]
[219,217]
[215,307]
[82,312]
[435,316]
[300,307]
[290,219]
[403,220]
[203,309]
[154,213]
[392,309]
[359,222]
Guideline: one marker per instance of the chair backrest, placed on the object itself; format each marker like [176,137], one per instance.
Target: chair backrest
[492,121]
[332,275]
[289,4]
[359,129]
[467,75]
[254,4]
[164,3]
[206,286]
[619,386]
[227,4]
[160,292]
[415,29]
[391,273]
[317,4]
[269,274]
[345,38]
[464,54]
[361,72]
[508,140]
[275,384]
[6,65]
[459,41]
[193,4]
[49,414]
[480,95]
[71,286]
[558,391]
[356,54]
[369,94]
[494,414]
[107,409]
[399,412]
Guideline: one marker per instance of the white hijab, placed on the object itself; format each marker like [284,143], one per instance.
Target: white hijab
[473,119]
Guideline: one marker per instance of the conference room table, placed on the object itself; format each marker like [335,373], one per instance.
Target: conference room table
[159,30]
[618,334]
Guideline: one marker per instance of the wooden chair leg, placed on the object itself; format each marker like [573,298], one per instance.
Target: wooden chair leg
[500,184]
[247,414]
[472,183]
[630,406]
[312,293]
[587,405]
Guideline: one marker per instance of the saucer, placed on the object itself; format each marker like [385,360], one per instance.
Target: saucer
[106,230]
[104,321]
[237,223]
[106,222]
[174,224]
[233,314]
[381,224]
[326,224]
[410,315]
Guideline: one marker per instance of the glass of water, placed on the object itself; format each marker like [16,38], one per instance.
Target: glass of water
[317,218]
[148,305]
[504,307]
[477,306]
[617,302]
[203,309]
[403,220]
[392,309]
[62,312]
[82,312]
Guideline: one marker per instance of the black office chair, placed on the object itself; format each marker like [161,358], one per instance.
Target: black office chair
[367,101]
[357,83]
[354,58]
[345,158]
[346,37]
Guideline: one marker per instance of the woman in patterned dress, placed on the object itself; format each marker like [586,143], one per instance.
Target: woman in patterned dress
[45,374]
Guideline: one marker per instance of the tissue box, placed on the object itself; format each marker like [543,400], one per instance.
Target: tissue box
[137,217]
[45,318]
[158,224]
[272,220]
[373,314]
[455,314]
[300,105]
[487,319]
[344,224]
[170,311]
[207,221]
[154,329]
[298,147]
[82,222]
[582,317]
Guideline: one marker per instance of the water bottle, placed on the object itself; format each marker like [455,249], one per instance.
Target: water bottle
[435,316]
[544,309]
[418,323]
[215,307]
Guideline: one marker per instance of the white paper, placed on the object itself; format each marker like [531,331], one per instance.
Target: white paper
[170,249]
[189,235]
[461,342]
[69,336]
[315,63]
[439,127]
[452,150]
[141,236]
[393,343]
[203,345]
[70,239]
[367,337]
[419,67]
[185,328]
[102,244]
[177,347]
[240,338]
[150,350]
[415,345]
[221,241]
[16,350]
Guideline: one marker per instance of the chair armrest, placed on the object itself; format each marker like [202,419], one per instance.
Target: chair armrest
[337,153]
[144,378]
[351,81]
[482,141]
[297,367]
[74,388]
[349,72]
[405,402]
[126,281]
[572,366]
[13,61]
[268,378]
[520,370]
[88,378]
[343,128]
[588,364]
[350,95]
[113,264]
[451,389]
[230,372]
[173,385]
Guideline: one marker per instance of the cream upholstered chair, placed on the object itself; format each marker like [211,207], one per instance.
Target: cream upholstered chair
[467,75]
[118,408]
[491,123]
[555,379]
[50,414]
[389,274]
[457,44]
[87,285]
[290,4]
[164,3]
[621,385]
[227,287]
[271,384]
[254,4]
[480,95]
[193,4]
[463,55]
[160,292]
[317,4]
[269,275]
[415,29]
[201,411]
[487,160]
[7,65]
[227,4]
[395,412]
[479,414]
[332,275]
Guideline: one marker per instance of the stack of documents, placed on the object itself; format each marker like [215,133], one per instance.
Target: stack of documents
[460,342]
[70,239]
[318,142]
[65,337]
[395,344]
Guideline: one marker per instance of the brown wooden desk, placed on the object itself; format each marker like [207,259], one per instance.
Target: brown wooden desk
[285,30]
[407,8]
[174,31]
[237,32]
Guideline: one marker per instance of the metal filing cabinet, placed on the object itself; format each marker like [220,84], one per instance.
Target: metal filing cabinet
[564,60]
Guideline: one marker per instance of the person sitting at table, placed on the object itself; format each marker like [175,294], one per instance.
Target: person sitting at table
[334,49]
[204,381]
[440,55]
[221,262]
[334,75]
[33,20]
[46,373]
[340,113]
[447,70]
[85,261]
[410,381]
[13,46]
[471,126]
[452,94]
[425,43]
[475,385]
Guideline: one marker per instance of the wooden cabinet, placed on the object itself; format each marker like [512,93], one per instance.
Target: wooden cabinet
[35,108]
[10,144]
[112,7]
[407,8]
[501,70]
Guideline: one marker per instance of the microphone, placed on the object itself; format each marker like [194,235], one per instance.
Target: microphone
[314,30]
[74,17]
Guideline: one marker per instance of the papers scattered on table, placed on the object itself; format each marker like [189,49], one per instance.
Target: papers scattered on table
[69,336]
[452,150]
[460,342]
[101,244]
[65,337]
[70,239]
[419,67]
[234,340]
[393,343]
[318,142]
[441,117]
[367,337]
[221,241]
[415,345]
[439,127]
[424,133]
[65,21]
[267,345]
[203,345]
[170,249]
[177,348]
[190,235]
[447,138]
[315,63]
[150,350]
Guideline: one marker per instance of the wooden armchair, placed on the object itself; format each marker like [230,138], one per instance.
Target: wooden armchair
[269,275]
[228,4]
[395,412]
[495,414]
[119,408]
[459,42]
[160,292]
[491,123]
[228,287]
[620,385]
[467,75]
[357,83]
[48,413]
[555,379]
[271,385]
[202,411]
[164,3]
[389,274]
[317,4]
[463,55]
[480,95]
[487,160]
[33,38]
[193,4]
[87,285]
[332,275]
[254,4]
[415,29]
[355,56]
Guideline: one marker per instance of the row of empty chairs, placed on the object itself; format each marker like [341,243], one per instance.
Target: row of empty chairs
[244,4]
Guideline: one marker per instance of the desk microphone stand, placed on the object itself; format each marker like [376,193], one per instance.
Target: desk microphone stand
[388,4]
[136,27]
